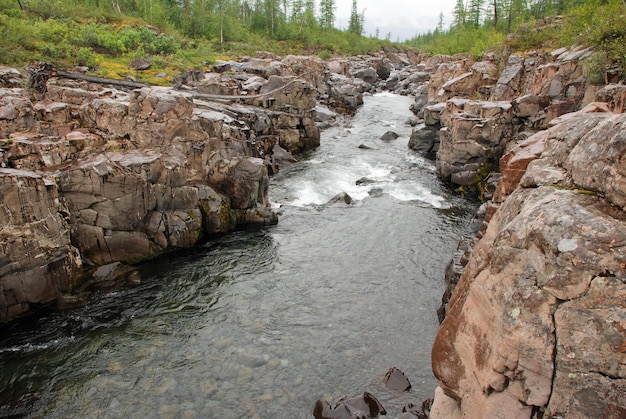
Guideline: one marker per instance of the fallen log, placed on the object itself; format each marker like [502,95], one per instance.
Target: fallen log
[100,80]
[39,75]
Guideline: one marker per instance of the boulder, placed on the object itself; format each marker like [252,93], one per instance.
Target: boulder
[424,139]
[324,115]
[140,64]
[421,99]
[341,198]
[340,67]
[368,75]
[395,380]
[389,136]
[383,68]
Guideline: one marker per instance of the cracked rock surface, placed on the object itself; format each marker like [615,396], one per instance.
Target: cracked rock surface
[536,324]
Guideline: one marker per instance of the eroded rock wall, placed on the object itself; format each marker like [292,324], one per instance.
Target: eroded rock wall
[92,175]
[530,91]
[536,325]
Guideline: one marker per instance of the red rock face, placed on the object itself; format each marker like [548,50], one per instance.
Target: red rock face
[513,164]
[536,323]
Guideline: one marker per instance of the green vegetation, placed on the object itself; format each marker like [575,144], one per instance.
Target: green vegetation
[176,35]
[522,25]
[180,35]
[479,183]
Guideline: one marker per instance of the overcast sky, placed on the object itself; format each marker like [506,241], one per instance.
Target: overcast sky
[403,18]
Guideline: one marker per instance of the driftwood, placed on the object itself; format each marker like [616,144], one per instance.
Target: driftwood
[100,80]
[39,75]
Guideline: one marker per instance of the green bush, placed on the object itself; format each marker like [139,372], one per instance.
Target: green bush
[86,56]
[607,32]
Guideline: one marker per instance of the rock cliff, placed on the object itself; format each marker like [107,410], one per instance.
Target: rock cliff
[91,175]
[536,326]
[471,115]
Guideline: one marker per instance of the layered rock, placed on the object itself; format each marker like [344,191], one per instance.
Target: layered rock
[529,93]
[535,326]
[94,175]
[473,134]
[37,260]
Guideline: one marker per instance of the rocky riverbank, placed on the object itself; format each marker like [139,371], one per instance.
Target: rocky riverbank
[93,178]
[536,325]
[93,175]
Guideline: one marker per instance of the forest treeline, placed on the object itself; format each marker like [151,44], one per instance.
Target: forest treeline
[182,34]
[478,26]
[188,32]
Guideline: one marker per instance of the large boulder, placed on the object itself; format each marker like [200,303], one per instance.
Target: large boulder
[368,75]
[424,139]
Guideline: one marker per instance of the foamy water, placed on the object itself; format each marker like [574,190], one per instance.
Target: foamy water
[340,166]
[262,323]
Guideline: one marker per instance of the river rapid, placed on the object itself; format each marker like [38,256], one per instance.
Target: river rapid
[261,324]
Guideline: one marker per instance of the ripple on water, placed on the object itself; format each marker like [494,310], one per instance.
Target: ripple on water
[263,323]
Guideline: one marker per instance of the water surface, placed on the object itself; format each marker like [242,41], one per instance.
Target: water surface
[263,323]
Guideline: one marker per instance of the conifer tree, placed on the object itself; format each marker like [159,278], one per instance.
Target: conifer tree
[459,14]
[327,13]
[356,20]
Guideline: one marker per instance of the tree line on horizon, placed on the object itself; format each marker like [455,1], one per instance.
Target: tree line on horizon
[58,29]
[227,20]
[184,33]
[477,25]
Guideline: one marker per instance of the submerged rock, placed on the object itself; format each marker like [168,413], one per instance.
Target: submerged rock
[389,136]
[340,198]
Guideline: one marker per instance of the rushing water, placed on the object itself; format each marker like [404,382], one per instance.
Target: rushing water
[260,324]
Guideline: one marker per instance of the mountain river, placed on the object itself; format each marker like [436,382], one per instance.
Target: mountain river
[262,323]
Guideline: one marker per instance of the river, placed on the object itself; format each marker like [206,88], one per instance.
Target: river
[262,323]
